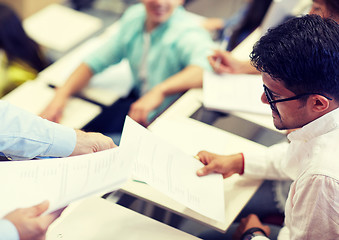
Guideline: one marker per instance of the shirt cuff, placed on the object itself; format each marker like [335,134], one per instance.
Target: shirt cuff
[64,141]
[253,164]
[8,230]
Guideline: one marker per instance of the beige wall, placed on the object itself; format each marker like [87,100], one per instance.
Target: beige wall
[25,8]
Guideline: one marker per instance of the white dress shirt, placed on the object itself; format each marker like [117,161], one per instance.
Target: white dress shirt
[312,161]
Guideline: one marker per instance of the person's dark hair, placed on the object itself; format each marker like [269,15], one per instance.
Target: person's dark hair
[303,53]
[333,6]
[15,42]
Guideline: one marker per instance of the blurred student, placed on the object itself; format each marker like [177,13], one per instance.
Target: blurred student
[167,55]
[239,26]
[20,57]
[299,64]
[229,64]
[23,134]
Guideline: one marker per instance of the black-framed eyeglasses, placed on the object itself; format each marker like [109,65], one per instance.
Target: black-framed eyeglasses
[272,102]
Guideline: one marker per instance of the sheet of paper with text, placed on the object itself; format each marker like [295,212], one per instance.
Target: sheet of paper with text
[60,180]
[172,172]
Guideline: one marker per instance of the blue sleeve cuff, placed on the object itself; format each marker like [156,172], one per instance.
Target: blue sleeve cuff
[8,230]
[63,143]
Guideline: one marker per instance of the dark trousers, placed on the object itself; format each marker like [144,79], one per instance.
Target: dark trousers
[112,118]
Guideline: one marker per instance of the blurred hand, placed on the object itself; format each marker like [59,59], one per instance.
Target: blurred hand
[224,62]
[140,109]
[213,24]
[54,110]
[91,142]
[29,222]
[226,165]
[251,221]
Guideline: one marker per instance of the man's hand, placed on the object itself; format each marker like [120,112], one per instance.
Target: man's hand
[226,165]
[91,142]
[29,222]
[224,62]
[251,221]
[54,110]
[140,109]
[213,24]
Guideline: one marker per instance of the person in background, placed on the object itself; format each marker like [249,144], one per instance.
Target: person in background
[229,64]
[167,54]
[239,26]
[20,57]
[25,135]
[299,65]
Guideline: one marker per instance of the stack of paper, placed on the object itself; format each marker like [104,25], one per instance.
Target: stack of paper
[234,92]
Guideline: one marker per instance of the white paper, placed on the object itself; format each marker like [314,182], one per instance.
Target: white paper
[60,180]
[234,92]
[172,171]
[59,27]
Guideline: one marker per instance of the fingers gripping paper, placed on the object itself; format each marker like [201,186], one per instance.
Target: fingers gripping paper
[172,172]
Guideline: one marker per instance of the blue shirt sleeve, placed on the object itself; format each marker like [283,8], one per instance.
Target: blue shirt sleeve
[23,134]
[8,230]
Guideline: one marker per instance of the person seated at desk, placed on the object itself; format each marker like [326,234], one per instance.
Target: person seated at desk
[276,191]
[167,52]
[229,64]
[23,134]
[20,57]
[299,63]
[239,26]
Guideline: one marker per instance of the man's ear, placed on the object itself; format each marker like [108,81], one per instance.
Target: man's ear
[318,103]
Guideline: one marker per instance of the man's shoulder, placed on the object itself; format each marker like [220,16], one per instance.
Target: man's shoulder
[134,13]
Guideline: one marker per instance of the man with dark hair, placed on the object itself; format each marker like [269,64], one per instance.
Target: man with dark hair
[299,63]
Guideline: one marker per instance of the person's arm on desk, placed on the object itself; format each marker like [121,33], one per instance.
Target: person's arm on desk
[77,81]
[223,62]
[27,223]
[189,77]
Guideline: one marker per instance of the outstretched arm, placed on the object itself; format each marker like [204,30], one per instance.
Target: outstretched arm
[190,77]
[77,81]
[224,62]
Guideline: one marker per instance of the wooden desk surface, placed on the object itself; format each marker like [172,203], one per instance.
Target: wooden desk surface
[97,218]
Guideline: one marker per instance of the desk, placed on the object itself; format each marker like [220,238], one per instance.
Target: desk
[103,89]
[192,136]
[96,218]
[34,96]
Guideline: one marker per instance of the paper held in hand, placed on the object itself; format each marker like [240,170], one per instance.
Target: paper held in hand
[172,172]
[60,180]
[141,154]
